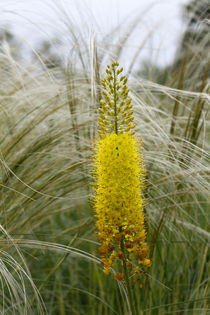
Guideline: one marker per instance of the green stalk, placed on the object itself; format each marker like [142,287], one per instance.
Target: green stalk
[115,103]
[133,311]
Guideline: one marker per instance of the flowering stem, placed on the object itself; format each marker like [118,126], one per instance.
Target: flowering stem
[133,311]
[115,102]
[122,243]
[119,174]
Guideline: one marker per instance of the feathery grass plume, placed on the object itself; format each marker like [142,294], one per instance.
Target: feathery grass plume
[119,174]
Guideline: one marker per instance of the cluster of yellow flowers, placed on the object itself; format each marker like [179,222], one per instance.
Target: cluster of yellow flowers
[119,174]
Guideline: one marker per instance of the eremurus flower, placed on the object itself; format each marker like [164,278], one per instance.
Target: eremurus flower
[119,181]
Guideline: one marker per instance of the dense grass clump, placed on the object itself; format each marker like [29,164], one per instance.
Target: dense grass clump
[49,261]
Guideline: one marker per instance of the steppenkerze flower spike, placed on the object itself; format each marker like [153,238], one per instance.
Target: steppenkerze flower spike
[119,182]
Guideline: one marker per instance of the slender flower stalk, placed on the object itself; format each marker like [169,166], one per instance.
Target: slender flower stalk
[119,182]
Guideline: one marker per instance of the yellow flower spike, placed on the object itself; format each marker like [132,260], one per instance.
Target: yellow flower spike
[119,181]
[118,200]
